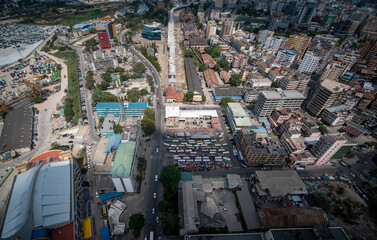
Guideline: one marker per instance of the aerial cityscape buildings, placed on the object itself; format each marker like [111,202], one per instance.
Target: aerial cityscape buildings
[169,119]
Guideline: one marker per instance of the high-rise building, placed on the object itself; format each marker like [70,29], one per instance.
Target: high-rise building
[369,50]
[112,30]
[326,147]
[271,100]
[264,34]
[152,31]
[227,27]
[273,43]
[290,8]
[285,58]
[219,3]
[323,45]
[307,12]
[333,71]
[295,82]
[211,29]
[103,37]
[309,63]
[327,94]
[298,42]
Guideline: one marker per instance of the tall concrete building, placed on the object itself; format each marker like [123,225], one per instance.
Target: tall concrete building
[219,3]
[298,42]
[307,12]
[326,147]
[211,29]
[327,94]
[285,58]
[334,71]
[264,34]
[309,63]
[227,27]
[268,101]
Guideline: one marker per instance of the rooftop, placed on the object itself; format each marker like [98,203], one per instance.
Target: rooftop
[228,91]
[280,183]
[334,86]
[237,110]
[137,105]
[123,159]
[40,197]
[192,78]
[283,94]
[335,108]
[17,130]
[198,41]
[108,105]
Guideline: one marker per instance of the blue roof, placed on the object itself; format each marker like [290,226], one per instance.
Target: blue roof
[109,105]
[265,122]
[291,52]
[259,130]
[336,108]
[105,233]
[113,142]
[138,105]
[110,195]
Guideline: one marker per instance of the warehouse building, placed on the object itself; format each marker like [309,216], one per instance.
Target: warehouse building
[46,202]
[192,78]
[17,131]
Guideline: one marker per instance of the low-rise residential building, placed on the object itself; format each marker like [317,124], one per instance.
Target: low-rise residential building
[211,77]
[225,76]
[208,61]
[192,78]
[261,82]
[326,147]
[234,93]
[237,117]
[337,115]
[278,116]
[275,185]
[249,94]
[172,95]
[260,152]
[198,44]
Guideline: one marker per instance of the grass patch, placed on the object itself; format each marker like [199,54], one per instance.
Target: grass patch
[72,108]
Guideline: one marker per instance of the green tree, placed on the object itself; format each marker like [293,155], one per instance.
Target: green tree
[37,99]
[224,102]
[323,129]
[54,146]
[204,98]
[189,96]
[148,125]
[138,68]
[274,84]
[68,109]
[163,206]
[143,91]
[100,96]
[235,80]
[117,128]
[202,67]
[133,95]
[349,154]
[169,178]
[4,114]
[135,223]
[149,113]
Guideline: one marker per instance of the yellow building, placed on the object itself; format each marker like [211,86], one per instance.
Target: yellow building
[298,42]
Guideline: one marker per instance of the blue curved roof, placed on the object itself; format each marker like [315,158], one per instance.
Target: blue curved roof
[137,105]
[113,142]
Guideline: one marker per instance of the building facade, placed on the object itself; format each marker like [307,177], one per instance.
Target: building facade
[327,94]
[309,63]
[103,37]
[326,147]
[271,100]
[227,27]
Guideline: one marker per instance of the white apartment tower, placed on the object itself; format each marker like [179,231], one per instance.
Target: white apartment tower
[326,147]
[309,63]
[285,57]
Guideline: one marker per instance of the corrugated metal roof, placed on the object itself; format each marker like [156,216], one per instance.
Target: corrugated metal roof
[113,142]
[137,105]
[123,159]
[106,105]
[110,195]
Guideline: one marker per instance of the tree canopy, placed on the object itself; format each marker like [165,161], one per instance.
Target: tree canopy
[138,68]
[235,80]
[224,102]
[213,51]
[169,178]
[136,222]
[99,96]
[189,96]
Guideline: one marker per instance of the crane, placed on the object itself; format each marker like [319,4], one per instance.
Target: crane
[34,86]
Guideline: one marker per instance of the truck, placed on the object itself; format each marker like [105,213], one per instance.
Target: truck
[151,235]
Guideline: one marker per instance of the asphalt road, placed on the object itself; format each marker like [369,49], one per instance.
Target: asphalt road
[155,160]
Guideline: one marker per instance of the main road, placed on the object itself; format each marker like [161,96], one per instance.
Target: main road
[154,166]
